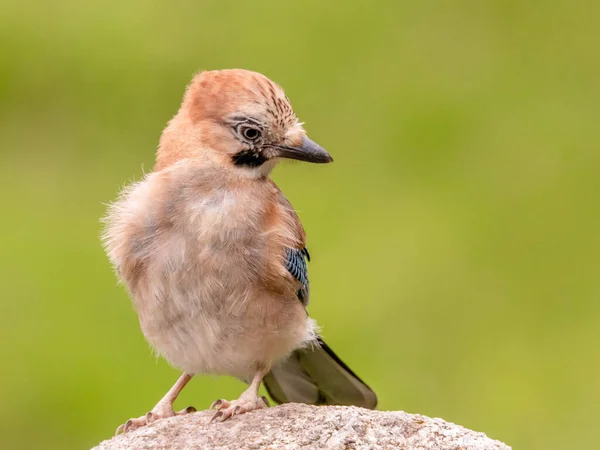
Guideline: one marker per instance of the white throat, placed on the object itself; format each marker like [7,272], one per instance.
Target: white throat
[261,171]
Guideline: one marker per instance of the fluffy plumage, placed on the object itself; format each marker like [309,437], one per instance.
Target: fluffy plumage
[210,250]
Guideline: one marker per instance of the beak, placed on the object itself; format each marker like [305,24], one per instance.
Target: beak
[309,151]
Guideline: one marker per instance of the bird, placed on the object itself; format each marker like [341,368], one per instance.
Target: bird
[214,256]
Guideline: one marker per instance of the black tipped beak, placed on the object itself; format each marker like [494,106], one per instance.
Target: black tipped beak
[309,151]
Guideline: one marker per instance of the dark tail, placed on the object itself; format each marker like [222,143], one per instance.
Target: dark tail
[315,375]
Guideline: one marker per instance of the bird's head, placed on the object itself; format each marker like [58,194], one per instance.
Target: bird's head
[240,119]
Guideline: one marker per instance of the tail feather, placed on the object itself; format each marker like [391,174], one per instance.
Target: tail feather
[315,375]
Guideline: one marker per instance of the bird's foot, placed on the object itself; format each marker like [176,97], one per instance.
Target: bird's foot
[158,412]
[227,409]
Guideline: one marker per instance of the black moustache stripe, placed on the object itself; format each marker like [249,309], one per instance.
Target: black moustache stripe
[249,158]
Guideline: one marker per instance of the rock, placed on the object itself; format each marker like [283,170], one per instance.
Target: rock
[294,426]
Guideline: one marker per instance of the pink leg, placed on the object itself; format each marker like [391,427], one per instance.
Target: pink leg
[163,409]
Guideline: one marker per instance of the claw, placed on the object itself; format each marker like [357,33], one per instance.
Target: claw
[265,401]
[188,410]
[123,428]
[127,426]
[216,415]
[219,404]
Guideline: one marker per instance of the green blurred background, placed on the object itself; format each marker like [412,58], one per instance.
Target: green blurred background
[455,241]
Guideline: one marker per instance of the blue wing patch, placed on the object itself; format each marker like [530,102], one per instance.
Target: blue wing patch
[296,264]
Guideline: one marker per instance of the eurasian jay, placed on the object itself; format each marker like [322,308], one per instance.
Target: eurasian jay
[214,256]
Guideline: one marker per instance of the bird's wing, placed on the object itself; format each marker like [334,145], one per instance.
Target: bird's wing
[313,374]
[295,255]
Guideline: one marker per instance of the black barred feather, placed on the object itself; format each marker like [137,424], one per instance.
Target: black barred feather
[296,264]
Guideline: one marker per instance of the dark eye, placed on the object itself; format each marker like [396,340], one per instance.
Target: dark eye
[250,133]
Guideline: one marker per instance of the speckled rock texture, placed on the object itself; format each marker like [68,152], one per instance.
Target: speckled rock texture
[295,426]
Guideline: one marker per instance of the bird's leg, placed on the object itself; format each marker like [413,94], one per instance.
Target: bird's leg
[163,409]
[248,401]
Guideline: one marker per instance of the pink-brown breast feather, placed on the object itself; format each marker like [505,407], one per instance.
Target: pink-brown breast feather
[137,238]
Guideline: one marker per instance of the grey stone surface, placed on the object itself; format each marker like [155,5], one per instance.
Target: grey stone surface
[295,426]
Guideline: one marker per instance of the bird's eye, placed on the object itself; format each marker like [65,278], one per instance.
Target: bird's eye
[250,133]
